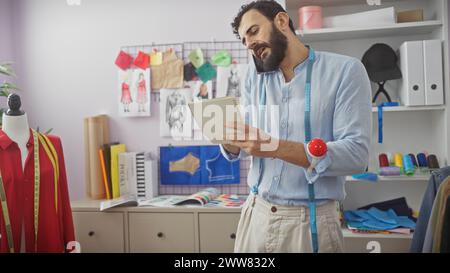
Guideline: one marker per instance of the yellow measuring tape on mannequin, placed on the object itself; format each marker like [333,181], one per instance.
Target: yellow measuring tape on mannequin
[53,156]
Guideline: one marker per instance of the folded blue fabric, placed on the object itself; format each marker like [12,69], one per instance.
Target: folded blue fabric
[382,216]
[375,219]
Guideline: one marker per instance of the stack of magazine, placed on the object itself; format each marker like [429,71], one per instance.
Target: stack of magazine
[209,197]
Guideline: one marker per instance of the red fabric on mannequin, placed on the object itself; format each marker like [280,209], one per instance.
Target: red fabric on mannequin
[55,228]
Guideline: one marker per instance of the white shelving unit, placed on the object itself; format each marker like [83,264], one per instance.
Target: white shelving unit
[406,129]
[349,234]
[410,109]
[421,178]
[329,34]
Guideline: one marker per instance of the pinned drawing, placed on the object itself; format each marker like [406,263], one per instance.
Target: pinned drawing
[219,169]
[176,121]
[201,90]
[230,80]
[134,97]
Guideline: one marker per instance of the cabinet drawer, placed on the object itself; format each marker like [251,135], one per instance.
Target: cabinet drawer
[99,231]
[162,232]
[218,231]
[381,245]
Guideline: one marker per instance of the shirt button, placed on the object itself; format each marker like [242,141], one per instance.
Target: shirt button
[283,124]
[285,99]
[273,209]
[28,144]
[276,178]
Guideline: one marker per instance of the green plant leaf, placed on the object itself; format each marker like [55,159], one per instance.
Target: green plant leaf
[7,86]
[4,93]
[7,70]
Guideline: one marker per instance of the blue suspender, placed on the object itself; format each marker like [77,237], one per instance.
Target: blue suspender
[307,121]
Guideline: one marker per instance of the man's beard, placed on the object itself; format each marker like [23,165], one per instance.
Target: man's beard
[278,44]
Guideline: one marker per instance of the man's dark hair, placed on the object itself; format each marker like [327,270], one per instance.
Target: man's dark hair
[268,8]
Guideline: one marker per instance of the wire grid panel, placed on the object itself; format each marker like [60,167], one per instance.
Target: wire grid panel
[239,54]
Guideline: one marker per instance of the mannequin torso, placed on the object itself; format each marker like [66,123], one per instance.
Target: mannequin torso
[17,129]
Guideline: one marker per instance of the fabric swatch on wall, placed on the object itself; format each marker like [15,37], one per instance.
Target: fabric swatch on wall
[196,57]
[206,72]
[156,58]
[168,75]
[221,58]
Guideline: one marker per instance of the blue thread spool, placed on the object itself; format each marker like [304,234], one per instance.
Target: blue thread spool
[408,166]
[422,160]
[423,163]
[413,159]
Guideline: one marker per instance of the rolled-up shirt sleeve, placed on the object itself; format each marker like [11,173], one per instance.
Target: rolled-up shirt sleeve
[348,153]
[232,157]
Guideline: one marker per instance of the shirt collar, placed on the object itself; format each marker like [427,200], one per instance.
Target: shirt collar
[5,141]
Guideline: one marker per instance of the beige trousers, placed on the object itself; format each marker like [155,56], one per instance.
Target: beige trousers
[264,227]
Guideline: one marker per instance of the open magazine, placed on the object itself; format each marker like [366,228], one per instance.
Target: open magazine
[209,197]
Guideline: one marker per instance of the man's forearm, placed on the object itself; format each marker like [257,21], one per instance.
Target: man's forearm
[292,152]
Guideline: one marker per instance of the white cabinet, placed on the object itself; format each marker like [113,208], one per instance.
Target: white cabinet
[218,231]
[100,232]
[193,230]
[161,232]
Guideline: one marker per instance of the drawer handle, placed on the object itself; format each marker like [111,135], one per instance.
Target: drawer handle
[160,234]
[233,236]
[91,233]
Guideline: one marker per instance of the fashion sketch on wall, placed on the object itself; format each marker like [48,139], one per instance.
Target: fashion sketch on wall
[175,118]
[230,80]
[134,95]
[201,90]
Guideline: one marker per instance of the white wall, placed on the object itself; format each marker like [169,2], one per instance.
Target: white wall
[66,62]
[6,50]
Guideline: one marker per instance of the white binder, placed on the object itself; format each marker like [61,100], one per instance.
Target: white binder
[412,91]
[432,56]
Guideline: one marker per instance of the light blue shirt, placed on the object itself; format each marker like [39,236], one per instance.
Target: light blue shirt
[341,115]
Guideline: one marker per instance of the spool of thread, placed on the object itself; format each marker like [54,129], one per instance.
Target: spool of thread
[413,159]
[390,171]
[432,162]
[408,167]
[423,163]
[398,160]
[390,158]
[383,160]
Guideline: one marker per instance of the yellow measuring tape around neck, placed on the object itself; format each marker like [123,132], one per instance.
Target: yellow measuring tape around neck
[53,156]
[37,186]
